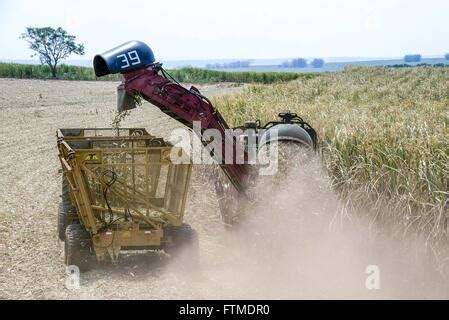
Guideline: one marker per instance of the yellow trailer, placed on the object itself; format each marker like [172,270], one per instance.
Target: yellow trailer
[121,191]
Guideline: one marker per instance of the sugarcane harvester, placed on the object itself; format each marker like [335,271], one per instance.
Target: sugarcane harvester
[144,77]
[121,189]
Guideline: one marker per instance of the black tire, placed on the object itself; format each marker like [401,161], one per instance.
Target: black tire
[181,242]
[78,247]
[66,202]
[64,219]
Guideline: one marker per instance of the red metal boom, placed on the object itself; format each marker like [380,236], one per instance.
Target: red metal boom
[186,106]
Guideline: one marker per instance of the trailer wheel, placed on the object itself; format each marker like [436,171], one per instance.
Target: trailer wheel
[64,219]
[78,247]
[183,245]
[66,202]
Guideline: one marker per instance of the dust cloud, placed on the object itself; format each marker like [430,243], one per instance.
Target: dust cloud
[298,241]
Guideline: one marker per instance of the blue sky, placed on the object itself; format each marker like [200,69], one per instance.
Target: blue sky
[190,29]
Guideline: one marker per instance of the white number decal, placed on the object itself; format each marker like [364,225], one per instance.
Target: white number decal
[124,60]
[133,56]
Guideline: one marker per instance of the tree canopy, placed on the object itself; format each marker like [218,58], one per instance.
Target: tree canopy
[412,58]
[51,45]
[295,63]
[317,63]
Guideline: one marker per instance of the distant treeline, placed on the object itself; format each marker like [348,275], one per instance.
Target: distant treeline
[229,65]
[295,63]
[412,58]
[418,57]
[302,63]
[193,75]
[405,65]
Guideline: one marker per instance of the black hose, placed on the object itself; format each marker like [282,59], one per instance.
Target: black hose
[105,192]
[105,196]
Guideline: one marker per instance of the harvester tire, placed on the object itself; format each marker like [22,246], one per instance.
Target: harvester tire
[78,247]
[64,219]
[183,245]
[66,202]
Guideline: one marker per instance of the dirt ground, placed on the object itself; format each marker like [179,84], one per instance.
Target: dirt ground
[285,256]
[31,260]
